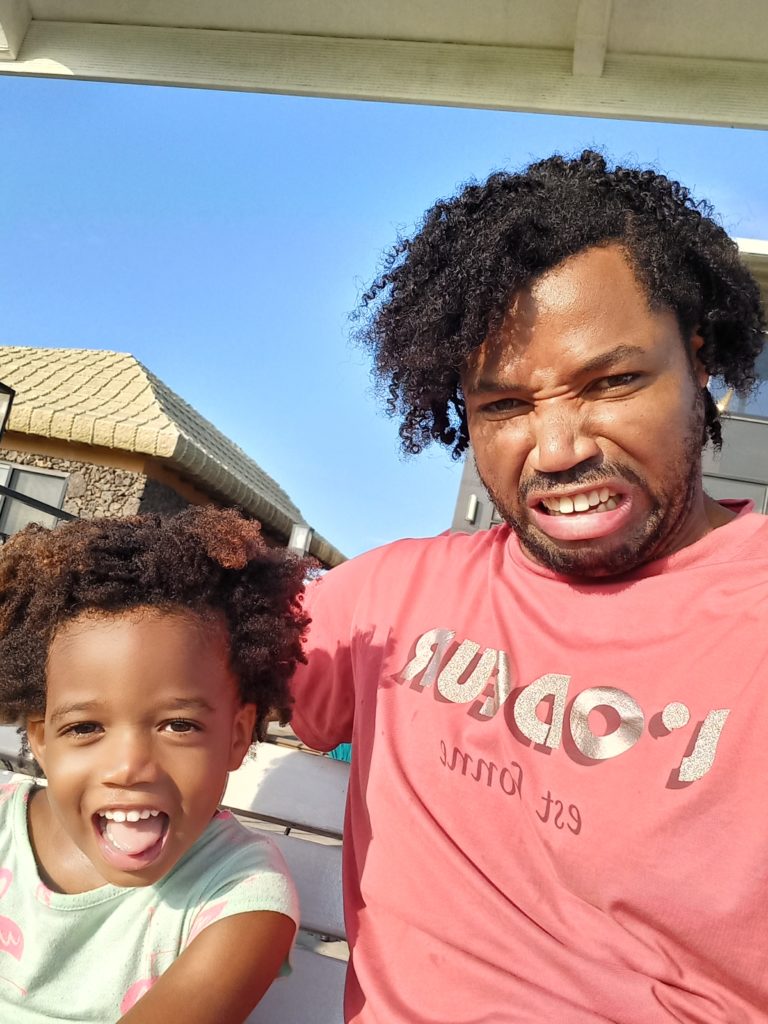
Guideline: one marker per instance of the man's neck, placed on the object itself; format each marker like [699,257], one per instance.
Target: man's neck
[717,514]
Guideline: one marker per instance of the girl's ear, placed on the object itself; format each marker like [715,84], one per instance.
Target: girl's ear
[702,374]
[242,734]
[36,737]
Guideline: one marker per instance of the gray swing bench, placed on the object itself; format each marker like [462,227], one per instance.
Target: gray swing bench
[297,798]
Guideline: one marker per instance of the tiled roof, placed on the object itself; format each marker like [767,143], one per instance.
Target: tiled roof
[109,399]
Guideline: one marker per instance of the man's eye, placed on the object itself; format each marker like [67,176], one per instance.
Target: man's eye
[504,405]
[181,725]
[619,380]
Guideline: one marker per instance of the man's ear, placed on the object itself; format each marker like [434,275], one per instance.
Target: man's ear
[694,347]
[36,736]
[242,734]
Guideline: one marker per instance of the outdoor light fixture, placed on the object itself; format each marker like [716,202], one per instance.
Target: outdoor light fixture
[471,514]
[300,539]
[6,401]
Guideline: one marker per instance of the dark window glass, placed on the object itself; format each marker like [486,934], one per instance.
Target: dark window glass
[47,487]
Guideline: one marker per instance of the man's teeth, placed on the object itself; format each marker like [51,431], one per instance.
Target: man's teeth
[137,815]
[601,500]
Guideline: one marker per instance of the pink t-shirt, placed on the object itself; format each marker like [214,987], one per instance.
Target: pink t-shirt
[558,803]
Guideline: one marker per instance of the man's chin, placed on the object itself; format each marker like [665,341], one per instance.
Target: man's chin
[592,559]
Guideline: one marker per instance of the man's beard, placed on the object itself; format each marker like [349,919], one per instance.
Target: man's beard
[669,509]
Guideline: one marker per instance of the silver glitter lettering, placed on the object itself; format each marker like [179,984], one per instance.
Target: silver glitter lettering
[430,648]
[600,748]
[675,716]
[502,687]
[548,734]
[702,757]
[449,681]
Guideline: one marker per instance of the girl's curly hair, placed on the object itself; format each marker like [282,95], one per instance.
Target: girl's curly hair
[444,290]
[204,561]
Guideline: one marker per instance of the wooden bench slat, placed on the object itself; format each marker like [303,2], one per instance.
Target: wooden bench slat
[10,743]
[291,787]
[313,994]
[316,870]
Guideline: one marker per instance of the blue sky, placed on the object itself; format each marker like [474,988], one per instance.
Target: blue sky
[224,238]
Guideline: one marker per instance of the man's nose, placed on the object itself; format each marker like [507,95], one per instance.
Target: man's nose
[562,439]
[129,759]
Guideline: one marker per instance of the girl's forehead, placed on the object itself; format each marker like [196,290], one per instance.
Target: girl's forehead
[149,621]
[140,651]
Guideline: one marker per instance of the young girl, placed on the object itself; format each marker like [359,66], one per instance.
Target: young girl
[143,657]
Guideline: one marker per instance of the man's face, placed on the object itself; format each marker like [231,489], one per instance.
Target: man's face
[586,419]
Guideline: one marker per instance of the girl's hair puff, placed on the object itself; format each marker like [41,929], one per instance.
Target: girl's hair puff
[204,561]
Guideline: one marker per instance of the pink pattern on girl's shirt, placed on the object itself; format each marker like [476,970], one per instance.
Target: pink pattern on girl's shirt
[204,918]
[7,790]
[11,936]
[135,992]
[43,894]
[143,985]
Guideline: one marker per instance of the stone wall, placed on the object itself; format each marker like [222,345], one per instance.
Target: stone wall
[160,498]
[92,491]
[97,491]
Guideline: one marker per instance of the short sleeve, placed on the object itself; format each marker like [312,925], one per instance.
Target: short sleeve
[251,875]
[323,689]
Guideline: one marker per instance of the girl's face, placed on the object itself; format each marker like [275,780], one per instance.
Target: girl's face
[143,721]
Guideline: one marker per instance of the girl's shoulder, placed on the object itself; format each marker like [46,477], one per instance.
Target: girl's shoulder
[15,794]
[229,847]
[15,791]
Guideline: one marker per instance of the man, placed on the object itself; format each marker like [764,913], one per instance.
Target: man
[557,804]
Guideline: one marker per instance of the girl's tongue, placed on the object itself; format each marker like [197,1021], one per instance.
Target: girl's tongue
[134,837]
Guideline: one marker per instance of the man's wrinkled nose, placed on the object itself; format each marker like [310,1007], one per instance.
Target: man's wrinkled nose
[561,439]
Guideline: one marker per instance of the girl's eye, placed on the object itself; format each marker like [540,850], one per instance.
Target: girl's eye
[82,729]
[181,725]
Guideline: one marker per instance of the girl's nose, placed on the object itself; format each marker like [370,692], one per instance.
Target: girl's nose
[128,759]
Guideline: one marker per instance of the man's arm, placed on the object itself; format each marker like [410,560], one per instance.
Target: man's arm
[323,689]
[222,974]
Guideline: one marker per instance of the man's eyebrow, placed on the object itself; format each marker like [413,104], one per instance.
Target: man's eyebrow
[614,355]
[604,361]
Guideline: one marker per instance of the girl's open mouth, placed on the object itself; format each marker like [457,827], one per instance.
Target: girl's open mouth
[131,839]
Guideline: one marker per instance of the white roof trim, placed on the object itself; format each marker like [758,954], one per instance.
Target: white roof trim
[668,62]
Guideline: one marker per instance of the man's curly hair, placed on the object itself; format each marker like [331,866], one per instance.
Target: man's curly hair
[445,289]
[208,562]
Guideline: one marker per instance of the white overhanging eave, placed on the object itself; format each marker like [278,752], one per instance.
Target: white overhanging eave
[661,88]
[15,18]
[592,23]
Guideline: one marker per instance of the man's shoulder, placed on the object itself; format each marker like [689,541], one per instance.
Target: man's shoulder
[745,537]
[442,549]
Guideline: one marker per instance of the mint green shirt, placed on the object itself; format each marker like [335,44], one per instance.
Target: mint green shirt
[89,956]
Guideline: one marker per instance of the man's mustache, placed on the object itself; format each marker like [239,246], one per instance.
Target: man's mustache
[579,476]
